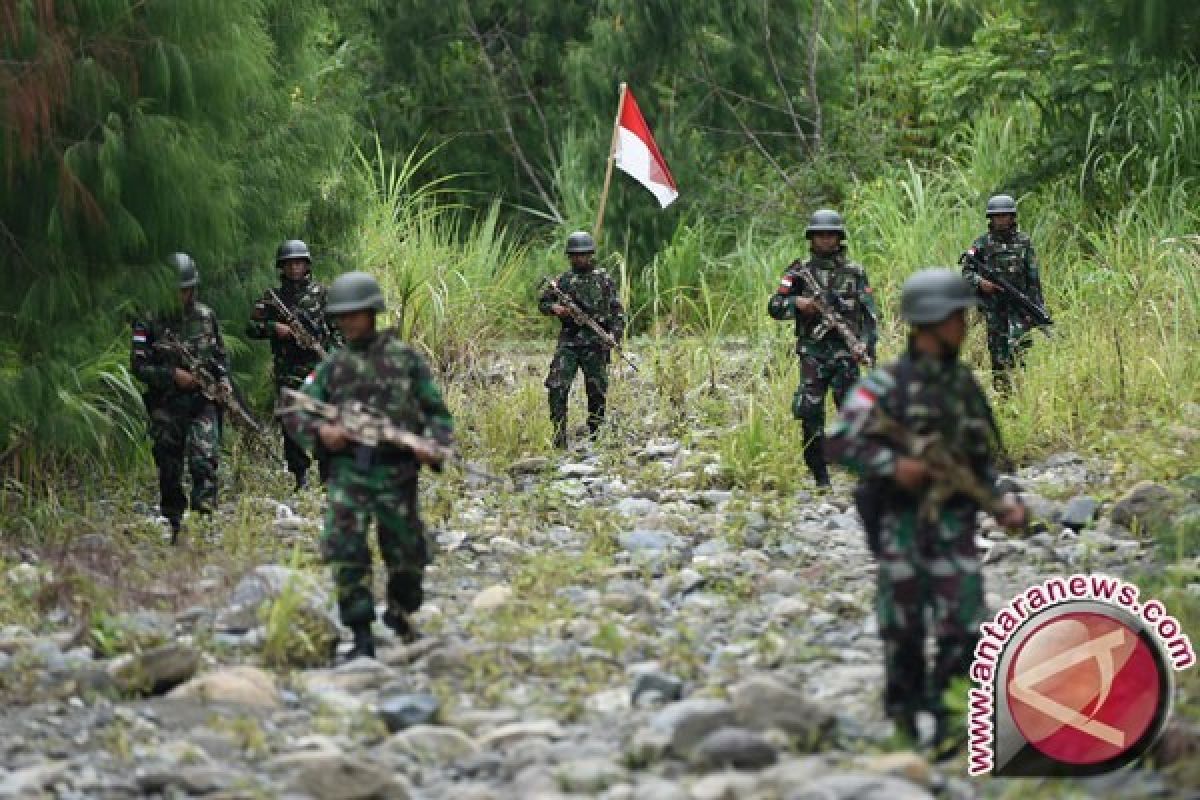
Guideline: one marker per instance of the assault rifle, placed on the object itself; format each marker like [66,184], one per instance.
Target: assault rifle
[301,332]
[1039,315]
[835,321]
[213,383]
[582,318]
[949,475]
[371,429]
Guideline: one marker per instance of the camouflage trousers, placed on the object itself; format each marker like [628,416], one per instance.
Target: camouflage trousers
[1007,340]
[927,571]
[819,375]
[593,362]
[191,435]
[388,494]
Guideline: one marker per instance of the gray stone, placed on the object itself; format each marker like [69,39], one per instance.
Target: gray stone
[155,671]
[669,687]
[326,776]
[530,465]
[139,630]
[650,540]
[733,747]
[253,594]
[724,786]
[1146,505]
[507,735]
[762,702]
[636,506]
[242,685]
[589,775]
[856,786]
[1041,508]
[685,723]
[432,744]
[1080,511]
[659,789]
[577,470]
[400,711]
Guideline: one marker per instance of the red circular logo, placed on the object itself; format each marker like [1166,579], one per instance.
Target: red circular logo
[1084,688]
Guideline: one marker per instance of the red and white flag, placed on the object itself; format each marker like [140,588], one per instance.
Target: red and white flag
[637,155]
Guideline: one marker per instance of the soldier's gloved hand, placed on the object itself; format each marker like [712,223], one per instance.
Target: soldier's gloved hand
[806,306]
[987,287]
[282,331]
[429,456]
[559,310]
[1014,514]
[184,379]
[911,474]
[333,436]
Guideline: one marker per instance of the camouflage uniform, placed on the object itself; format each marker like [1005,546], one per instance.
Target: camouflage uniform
[579,348]
[1010,255]
[306,300]
[922,567]
[182,423]
[390,377]
[826,363]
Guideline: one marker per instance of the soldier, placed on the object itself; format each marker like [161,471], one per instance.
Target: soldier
[379,370]
[305,298]
[183,422]
[927,562]
[1006,252]
[579,348]
[827,362]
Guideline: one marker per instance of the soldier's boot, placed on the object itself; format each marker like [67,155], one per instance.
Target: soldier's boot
[814,454]
[301,480]
[401,625]
[176,523]
[364,642]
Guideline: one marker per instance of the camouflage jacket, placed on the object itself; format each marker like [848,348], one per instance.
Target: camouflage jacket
[596,295]
[307,301]
[389,377]
[937,396]
[197,327]
[1009,255]
[855,303]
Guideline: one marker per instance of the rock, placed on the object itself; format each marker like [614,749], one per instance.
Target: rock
[1146,505]
[400,711]
[669,687]
[248,604]
[1080,511]
[140,630]
[724,786]
[492,598]
[659,789]
[244,686]
[793,774]
[589,775]
[358,675]
[325,776]
[648,540]
[909,766]
[155,671]
[687,722]
[1040,508]
[432,744]
[789,608]
[530,465]
[733,747]
[854,786]
[763,702]
[636,506]
[194,780]
[577,470]
[647,746]
[507,735]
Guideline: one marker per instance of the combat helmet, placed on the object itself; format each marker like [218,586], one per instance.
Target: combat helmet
[580,242]
[933,294]
[292,249]
[354,291]
[825,220]
[189,276]
[1001,204]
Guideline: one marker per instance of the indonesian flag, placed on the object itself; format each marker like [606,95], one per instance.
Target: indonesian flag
[637,155]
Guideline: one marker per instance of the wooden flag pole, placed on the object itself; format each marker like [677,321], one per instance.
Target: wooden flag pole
[612,152]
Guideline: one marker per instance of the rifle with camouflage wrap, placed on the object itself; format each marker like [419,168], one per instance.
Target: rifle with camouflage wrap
[582,318]
[301,332]
[857,348]
[371,429]
[213,383]
[949,475]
